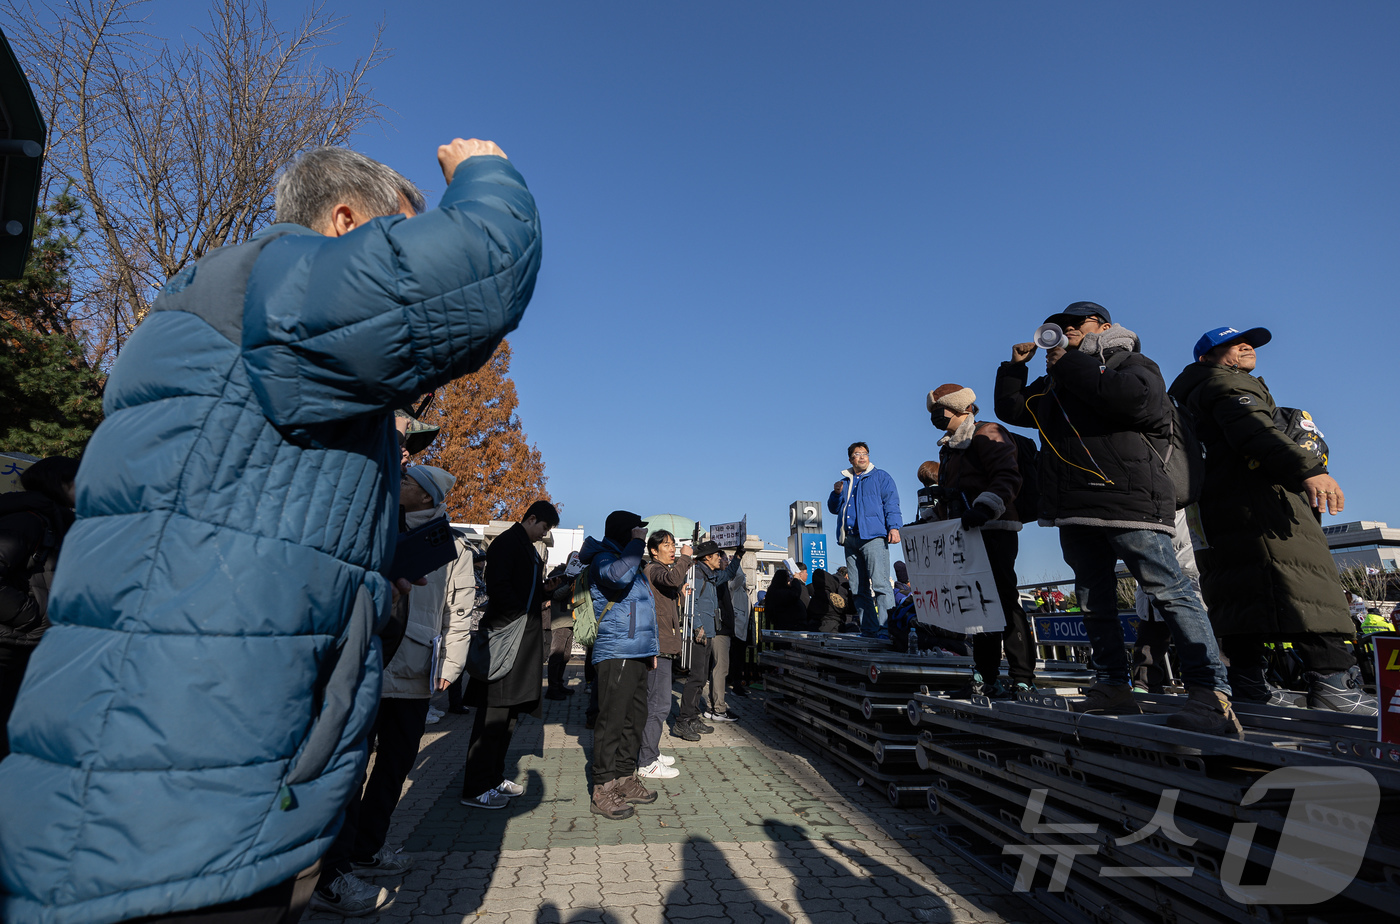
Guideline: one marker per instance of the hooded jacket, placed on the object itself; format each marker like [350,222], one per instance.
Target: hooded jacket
[666,583]
[876,500]
[977,465]
[191,726]
[1266,567]
[1102,432]
[622,600]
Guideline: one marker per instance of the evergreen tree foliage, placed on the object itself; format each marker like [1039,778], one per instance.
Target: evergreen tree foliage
[50,398]
[499,474]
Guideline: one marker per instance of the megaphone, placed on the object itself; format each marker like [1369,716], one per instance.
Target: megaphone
[1050,336]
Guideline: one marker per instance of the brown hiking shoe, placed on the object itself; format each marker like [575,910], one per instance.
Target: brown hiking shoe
[1106,699]
[631,790]
[1207,712]
[607,801]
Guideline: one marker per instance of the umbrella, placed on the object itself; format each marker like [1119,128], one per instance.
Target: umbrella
[678,526]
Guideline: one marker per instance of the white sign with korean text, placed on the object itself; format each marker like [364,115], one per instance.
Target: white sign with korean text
[730,535]
[951,577]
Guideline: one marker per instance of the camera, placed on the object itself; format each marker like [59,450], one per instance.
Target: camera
[928,498]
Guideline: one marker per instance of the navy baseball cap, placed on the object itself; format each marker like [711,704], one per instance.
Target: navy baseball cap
[1255,337]
[1080,310]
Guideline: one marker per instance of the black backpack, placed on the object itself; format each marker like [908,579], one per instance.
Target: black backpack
[1183,459]
[1028,461]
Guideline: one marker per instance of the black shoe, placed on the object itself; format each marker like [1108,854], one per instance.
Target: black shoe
[701,727]
[683,731]
[558,693]
[740,691]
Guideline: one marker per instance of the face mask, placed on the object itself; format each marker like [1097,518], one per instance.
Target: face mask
[941,419]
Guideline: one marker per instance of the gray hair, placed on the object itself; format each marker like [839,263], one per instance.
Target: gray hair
[320,179]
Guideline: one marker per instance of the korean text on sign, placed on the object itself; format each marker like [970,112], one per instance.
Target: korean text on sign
[952,577]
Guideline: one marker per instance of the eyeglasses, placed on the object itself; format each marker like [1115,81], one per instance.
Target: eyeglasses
[1075,323]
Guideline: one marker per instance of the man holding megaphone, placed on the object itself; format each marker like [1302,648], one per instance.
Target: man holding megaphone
[1105,425]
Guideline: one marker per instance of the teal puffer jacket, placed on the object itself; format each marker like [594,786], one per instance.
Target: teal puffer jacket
[190,728]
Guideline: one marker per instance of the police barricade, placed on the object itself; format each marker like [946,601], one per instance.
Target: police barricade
[1125,819]
[848,696]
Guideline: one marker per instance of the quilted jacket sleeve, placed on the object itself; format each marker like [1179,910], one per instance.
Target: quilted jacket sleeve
[1248,425]
[335,328]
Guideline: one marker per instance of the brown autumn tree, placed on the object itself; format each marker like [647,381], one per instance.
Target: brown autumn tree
[499,474]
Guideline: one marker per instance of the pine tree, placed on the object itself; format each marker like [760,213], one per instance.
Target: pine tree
[52,396]
[499,474]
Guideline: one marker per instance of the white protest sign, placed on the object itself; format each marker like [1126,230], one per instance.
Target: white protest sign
[951,577]
[730,535]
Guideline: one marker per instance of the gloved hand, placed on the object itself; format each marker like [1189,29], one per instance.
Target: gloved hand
[977,516]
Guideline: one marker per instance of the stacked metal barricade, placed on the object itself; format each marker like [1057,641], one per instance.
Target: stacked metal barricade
[1124,819]
[849,697]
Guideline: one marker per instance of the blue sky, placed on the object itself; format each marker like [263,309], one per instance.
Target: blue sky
[770,229]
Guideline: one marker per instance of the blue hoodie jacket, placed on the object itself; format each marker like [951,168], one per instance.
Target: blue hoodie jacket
[877,505]
[619,586]
[191,727]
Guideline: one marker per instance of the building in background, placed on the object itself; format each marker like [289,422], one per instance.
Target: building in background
[1364,543]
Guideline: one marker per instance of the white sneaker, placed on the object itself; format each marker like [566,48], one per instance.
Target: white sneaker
[435,713]
[720,717]
[432,718]
[666,759]
[350,896]
[656,770]
[490,799]
[511,789]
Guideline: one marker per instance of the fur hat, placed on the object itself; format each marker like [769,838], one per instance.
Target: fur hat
[433,480]
[955,398]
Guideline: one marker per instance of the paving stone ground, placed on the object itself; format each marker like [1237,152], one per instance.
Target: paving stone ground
[758,827]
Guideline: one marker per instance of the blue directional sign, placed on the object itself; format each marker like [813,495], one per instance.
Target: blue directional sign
[813,551]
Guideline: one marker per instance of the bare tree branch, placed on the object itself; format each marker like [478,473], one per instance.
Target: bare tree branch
[172,148]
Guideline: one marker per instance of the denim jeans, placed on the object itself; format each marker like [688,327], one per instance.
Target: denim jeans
[869,564]
[1092,552]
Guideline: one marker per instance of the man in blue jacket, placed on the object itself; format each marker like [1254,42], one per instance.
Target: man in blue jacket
[624,653]
[193,723]
[867,507]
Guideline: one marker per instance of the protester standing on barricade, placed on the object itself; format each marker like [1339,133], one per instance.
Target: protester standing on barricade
[514,580]
[236,508]
[710,574]
[409,683]
[1105,424]
[866,504]
[624,654]
[668,575]
[981,480]
[33,523]
[1266,571]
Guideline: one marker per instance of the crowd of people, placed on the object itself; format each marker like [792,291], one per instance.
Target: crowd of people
[256,583]
[1209,494]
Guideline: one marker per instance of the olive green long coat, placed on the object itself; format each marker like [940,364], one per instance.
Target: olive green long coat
[1267,570]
